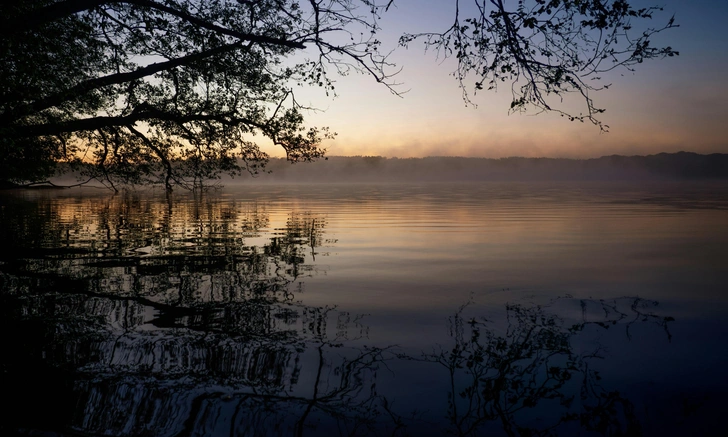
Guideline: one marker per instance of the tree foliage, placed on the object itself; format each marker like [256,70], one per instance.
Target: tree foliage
[178,91]
[545,49]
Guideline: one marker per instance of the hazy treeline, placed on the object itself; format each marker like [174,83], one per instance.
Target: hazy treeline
[663,166]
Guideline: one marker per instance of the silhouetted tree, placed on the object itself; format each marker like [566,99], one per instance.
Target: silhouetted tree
[173,91]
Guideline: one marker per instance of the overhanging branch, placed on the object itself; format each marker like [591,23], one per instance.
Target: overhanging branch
[147,113]
[112,79]
[56,11]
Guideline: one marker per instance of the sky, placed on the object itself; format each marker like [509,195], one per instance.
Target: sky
[669,105]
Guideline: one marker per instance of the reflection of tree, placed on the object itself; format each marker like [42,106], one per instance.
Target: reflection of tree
[191,252]
[141,318]
[127,316]
[529,379]
[195,379]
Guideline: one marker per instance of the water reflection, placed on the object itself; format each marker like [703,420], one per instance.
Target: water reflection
[149,309]
[130,315]
[534,377]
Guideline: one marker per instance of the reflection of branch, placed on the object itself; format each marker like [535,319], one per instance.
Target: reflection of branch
[498,378]
[613,314]
[344,393]
[186,377]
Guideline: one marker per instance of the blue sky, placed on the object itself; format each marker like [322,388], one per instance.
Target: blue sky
[665,106]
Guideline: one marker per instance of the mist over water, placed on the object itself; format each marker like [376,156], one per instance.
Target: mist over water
[367,309]
[376,169]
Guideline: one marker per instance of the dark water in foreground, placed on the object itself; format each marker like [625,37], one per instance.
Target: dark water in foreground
[480,309]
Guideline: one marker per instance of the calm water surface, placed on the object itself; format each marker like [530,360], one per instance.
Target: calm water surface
[451,309]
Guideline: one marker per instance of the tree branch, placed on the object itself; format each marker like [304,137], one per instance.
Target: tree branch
[59,10]
[142,113]
[112,79]
[159,153]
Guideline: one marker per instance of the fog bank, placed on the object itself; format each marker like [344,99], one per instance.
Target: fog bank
[663,166]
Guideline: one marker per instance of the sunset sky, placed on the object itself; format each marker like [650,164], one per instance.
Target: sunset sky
[665,106]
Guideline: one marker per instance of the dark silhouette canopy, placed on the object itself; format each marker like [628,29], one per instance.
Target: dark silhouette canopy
[175,91]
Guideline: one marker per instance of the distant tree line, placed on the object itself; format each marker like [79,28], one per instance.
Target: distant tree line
[663,166]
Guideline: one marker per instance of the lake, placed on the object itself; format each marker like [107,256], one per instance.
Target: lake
[333,309]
